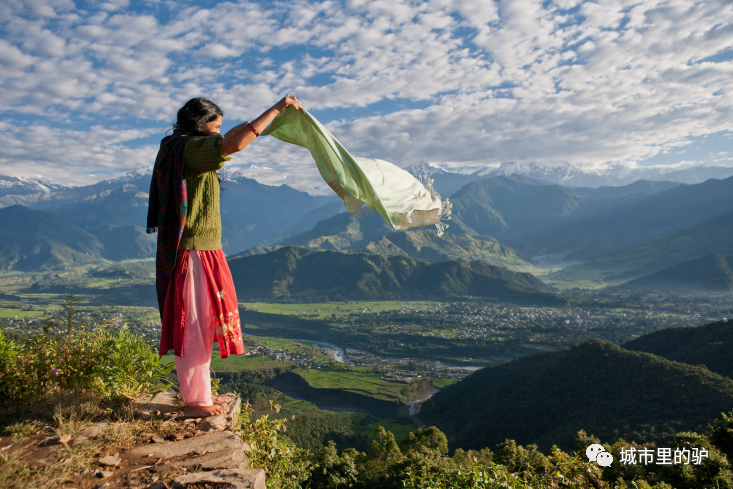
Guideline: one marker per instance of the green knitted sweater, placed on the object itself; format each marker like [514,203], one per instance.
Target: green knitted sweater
[202,158]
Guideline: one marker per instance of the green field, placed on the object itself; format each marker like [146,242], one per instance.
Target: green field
[399,430]
[18,313]
[237,363]
[440,383]
[330,309]
[357,380]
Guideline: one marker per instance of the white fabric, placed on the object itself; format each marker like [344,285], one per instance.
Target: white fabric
[400,198]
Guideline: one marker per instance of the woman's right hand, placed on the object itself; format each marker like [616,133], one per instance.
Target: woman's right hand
[288,101]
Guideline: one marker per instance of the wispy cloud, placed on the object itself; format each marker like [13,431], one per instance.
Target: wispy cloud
[457,83]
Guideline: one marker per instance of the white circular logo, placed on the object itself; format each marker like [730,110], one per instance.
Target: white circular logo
[593,451]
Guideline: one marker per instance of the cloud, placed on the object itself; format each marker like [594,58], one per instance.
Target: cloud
[460,83]
[69,157]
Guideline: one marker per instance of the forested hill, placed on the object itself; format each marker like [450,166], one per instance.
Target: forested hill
[300,273]
[710,345]
[606,390]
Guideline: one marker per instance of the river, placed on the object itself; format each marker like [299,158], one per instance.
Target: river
[338,355]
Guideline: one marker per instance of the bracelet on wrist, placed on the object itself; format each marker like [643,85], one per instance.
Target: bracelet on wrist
[253,129]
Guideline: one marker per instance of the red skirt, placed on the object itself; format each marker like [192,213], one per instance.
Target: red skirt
[223,300]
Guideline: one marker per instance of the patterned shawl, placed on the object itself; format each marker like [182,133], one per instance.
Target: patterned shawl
[167,209]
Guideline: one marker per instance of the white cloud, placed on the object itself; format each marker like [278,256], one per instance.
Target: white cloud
[516,80]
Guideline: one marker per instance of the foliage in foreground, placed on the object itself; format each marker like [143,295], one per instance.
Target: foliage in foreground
[422,461]
[72,356]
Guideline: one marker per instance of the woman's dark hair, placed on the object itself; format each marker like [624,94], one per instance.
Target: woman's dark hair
[195,112]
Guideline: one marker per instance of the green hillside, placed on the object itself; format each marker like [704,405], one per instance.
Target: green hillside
[710,345]
[597,386]
[710,273]
[292,273]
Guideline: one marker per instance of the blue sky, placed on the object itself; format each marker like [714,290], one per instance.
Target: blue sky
[89,88]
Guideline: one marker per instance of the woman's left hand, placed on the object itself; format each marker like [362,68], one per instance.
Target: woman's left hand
[288,101]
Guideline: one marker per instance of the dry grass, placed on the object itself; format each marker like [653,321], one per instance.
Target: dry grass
[32,426]
[24,429]
[14,472]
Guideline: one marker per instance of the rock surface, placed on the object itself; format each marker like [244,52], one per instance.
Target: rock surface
[210,442]
[221,459]
[110,461]
[223,421]
[234,478]
[94,431]
[194,453]
[159,403]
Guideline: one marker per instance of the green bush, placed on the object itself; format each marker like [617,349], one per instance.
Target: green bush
[77,357]
[285,465]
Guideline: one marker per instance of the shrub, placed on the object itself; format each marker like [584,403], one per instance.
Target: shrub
[285,464]
[78,357]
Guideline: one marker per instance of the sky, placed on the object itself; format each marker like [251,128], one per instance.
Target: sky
[88,89]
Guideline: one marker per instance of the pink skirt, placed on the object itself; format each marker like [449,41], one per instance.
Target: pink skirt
[216,284]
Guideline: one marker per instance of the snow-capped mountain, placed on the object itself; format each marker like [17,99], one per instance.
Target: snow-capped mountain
[571,175]
[26,186]
[617,175]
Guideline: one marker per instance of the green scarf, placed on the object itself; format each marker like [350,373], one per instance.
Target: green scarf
[400,198]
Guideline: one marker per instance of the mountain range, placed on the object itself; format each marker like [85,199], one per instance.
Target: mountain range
[608,235]
[607,390]
[41,240]
[603,231]
[714,236]
[293,273]
[371,234]
[568,175]
[251,212]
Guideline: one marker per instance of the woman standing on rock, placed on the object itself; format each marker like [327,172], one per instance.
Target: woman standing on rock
[195,291]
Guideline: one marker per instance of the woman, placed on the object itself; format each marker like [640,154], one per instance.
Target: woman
[196,295]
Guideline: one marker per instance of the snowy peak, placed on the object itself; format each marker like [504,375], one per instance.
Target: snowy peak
[26,186]
[613,176]
[423,169]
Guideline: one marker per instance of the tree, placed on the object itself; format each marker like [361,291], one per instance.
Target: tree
[722,435]
[329,471]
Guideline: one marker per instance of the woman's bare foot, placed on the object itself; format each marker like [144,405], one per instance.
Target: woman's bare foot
[203,411]
[220,399]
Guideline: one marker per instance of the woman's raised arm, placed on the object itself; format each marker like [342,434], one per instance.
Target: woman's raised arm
[240,136]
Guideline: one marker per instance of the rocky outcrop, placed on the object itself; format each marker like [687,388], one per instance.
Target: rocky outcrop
[206,452]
